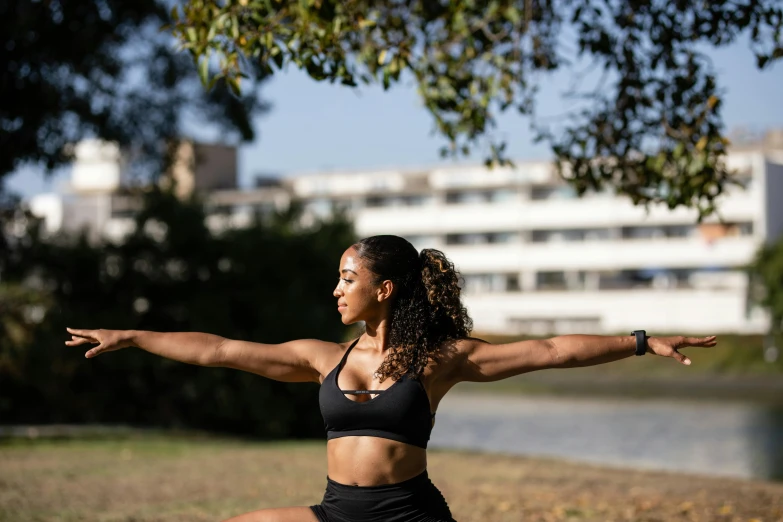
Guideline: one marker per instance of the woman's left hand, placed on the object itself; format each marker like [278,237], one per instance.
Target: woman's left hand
[670,346]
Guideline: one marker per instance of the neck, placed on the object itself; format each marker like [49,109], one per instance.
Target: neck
[377,332]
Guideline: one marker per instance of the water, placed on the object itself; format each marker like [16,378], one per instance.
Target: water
[729,439]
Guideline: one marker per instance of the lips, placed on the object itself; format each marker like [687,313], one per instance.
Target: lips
[341,307]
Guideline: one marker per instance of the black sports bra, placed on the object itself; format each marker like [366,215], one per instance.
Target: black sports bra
[401,412]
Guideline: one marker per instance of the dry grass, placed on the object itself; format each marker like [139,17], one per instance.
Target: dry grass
[169,479]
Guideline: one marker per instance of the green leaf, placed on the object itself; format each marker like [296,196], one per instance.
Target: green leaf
[234,27]
[513,15]
[203,69]
[394,65]
[233,83]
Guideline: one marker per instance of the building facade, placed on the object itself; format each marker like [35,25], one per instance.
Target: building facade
[535,259]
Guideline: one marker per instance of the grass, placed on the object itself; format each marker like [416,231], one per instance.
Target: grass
[176,478]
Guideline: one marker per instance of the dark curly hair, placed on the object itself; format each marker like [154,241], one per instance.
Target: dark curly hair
[426,309]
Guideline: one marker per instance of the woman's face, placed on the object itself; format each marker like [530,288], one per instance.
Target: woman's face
[358,298]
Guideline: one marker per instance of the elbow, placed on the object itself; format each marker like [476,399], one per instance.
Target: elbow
[556,357]
[215,356]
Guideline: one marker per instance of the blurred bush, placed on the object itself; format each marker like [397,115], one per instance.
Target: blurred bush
[767,290]
[269,282]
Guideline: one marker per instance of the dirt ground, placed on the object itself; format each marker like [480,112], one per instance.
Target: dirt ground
[167,479]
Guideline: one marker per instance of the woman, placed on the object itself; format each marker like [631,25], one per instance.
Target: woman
[379,393]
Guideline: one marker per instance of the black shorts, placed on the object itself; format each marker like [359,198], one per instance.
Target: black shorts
[414,500]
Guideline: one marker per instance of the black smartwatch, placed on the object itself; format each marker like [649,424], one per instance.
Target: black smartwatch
[641,341]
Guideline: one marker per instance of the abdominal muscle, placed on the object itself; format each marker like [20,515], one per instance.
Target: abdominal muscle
[372,461]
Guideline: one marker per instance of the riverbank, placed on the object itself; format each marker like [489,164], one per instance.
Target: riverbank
[166,479]
[586,382]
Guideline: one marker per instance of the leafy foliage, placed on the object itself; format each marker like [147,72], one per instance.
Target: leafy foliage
[650,127]
[101,68]
[767,272]
[269,282]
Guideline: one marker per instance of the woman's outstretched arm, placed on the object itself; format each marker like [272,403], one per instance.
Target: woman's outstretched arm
[294,361]
[491,362]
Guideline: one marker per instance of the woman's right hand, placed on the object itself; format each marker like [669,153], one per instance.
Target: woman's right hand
[107,340]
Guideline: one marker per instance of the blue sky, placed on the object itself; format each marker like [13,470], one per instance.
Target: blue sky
[318,126]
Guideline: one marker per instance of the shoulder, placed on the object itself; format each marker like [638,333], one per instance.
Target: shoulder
[454,353]
[324,355]
[318,353]
[463,347]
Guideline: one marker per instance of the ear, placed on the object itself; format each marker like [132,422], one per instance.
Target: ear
[385,290]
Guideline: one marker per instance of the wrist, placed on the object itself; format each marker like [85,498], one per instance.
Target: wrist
[641,342]
[131,338]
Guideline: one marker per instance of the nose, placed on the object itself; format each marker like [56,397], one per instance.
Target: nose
[337,291]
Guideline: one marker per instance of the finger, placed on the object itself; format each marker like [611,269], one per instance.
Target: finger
[88,339]
[710,340]
[95,351]
[78,341]
[681,358]
[91,339]
[82,333]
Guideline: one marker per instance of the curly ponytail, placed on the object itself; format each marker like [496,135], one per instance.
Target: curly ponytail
[426,310]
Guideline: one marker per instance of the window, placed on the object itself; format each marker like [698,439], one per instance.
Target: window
[502,195]
[679,231]
[490,283]
[551,280]
[466,239]
[420,241]
[473,196]
[375,201]
[598,234]
[415,200]
[502,237]
[556,236]
[643,232]
[482,238]
[544,192]
[539,236]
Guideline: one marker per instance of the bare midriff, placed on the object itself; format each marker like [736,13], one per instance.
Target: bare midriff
[372,461]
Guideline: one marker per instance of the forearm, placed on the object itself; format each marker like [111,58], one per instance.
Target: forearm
[187,347]
[587,350]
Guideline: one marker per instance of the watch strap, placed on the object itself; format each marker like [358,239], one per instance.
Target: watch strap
[641,341]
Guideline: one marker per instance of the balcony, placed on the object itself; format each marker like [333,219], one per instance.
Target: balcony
[691,252]
[514,215]
[674,311]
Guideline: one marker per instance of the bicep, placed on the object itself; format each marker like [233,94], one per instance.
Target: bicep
[293,361]
[487,362]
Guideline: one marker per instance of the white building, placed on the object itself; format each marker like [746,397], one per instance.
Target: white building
[534,258]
